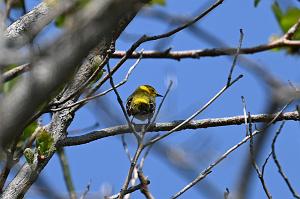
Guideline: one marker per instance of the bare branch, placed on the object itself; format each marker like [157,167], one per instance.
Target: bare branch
[193,124]
[86,191]
[144,189]
[133,164]
[129,190]
[280,170]
[138,137]
[9,75]
[291,32]
[213,52]
[254,164]
[235,56]
[226,194]
[162,101]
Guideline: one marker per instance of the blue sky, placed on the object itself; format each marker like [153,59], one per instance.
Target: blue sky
[104,162]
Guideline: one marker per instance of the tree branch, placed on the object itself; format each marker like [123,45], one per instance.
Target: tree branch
[209,52]
[194,124]
[278,165]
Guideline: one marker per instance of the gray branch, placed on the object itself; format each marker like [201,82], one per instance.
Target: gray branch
[194,124]
[28,21]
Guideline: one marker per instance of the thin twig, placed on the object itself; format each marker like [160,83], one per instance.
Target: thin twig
[86,191]
[66,172]
[245,114]
[265,163]
[254,164]
[131,169]
[128,191]
[144,189]
[9,75]
[226,194]
[159,107]
[235,56]
[208,170]
[148,149]
[162,101]
[121,104]
[88,128]
[125,146]
[291,32]
[280,170]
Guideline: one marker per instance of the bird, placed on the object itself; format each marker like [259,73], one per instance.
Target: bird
[141,103]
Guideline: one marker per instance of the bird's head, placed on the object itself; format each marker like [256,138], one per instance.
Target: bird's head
[149,90]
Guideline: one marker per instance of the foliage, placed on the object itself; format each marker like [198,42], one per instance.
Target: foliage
[28,131]
[44,143]
[159,2]
[29,155]
[286,19]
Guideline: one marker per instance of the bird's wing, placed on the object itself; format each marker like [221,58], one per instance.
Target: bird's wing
[128,105]
[152,107]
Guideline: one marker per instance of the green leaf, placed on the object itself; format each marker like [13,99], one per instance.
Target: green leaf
[286,19]
[256,2]
[60,20]
[29,155]
[29,130]
[44,143]
[82,3]
[7,86]
[159,2]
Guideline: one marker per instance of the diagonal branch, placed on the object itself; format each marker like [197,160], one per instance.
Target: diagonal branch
[277,163]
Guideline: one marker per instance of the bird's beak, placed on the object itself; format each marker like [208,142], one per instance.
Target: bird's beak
[158,95]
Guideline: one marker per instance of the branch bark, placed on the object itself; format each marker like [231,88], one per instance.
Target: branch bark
[212,52]
[194,124]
